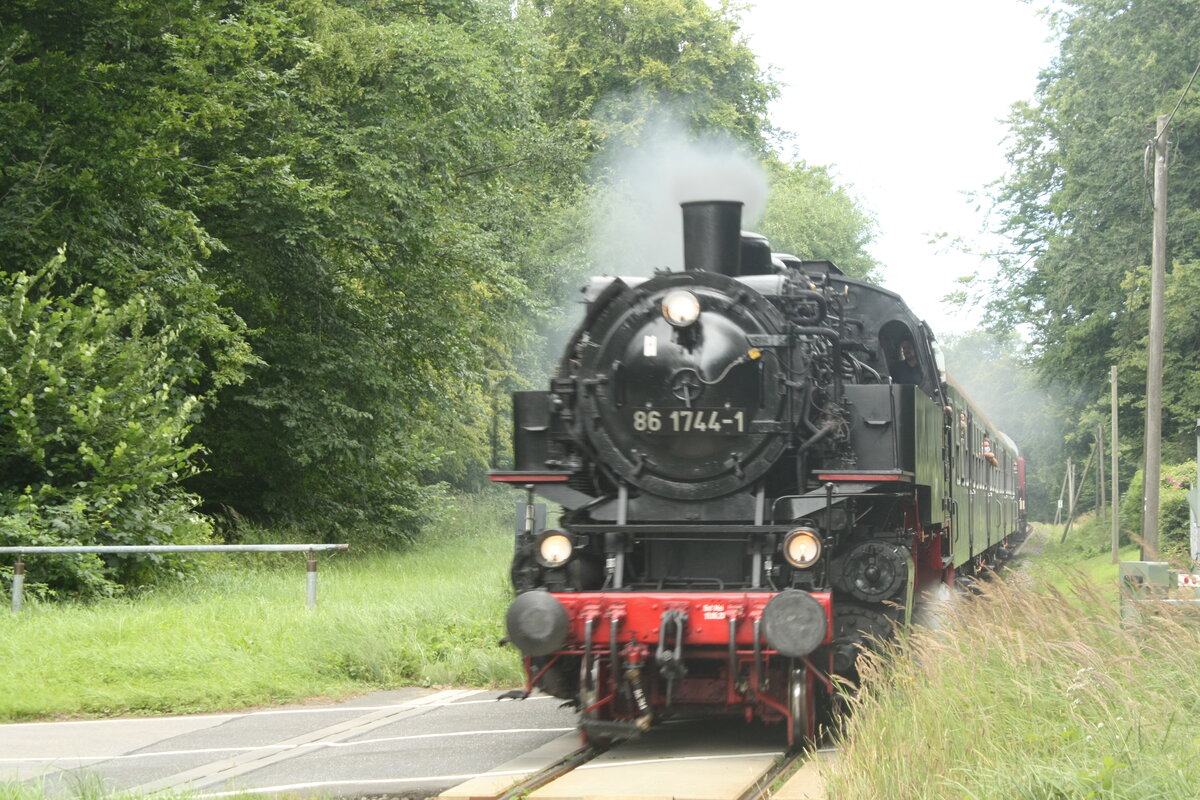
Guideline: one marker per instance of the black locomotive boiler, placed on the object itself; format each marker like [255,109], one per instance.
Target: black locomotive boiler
[754,484]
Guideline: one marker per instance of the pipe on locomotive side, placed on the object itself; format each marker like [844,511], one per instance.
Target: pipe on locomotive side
[712,237]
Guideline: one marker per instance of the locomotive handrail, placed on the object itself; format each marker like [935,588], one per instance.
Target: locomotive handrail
[18,583]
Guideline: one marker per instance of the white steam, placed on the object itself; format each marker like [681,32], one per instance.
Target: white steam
[638,224]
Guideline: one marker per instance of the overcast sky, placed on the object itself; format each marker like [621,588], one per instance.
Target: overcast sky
[905,101]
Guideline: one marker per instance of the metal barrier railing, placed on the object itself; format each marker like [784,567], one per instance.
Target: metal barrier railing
[18,585]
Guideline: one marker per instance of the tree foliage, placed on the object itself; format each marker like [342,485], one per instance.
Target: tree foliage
[351,183]
[811,217]
[1076,209]
[611,62]
[377,216]
[92,447]
[332,230]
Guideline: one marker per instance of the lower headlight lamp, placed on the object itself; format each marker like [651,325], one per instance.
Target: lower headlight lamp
[554,548]
[802,547]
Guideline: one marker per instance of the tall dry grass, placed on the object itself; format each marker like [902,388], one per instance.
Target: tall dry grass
[1023,692]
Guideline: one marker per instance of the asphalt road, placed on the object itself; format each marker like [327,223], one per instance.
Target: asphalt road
[409,743]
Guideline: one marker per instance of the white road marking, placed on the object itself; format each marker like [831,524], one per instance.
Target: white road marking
[314,710]
[285,747]
[290,787]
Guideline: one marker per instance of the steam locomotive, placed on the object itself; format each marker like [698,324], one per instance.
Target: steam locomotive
[754,485]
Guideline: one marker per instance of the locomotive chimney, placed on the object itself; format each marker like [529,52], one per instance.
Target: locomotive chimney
[712,236]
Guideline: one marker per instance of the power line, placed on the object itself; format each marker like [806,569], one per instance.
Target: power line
[1171,116]
[1154,141]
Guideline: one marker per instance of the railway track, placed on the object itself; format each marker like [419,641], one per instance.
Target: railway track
[696,760]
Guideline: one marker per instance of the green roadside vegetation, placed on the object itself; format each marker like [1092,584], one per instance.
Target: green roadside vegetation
[238,632]
[1084,552]
[1035,688]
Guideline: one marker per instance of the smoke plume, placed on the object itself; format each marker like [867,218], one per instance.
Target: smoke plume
[637,224]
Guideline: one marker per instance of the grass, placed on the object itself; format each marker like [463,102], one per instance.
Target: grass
[1087,552]
[239,633]
[1033,689]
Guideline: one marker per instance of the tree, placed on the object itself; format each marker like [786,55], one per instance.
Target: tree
[352,183]
[610,63]
[89,158]
[374,234]
[811,217]
[1076,207]
[351,218]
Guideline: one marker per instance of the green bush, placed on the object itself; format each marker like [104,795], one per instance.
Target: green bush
[1174,521]
[92,442]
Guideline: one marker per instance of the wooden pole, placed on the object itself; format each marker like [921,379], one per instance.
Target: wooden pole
[1062,492]
[1075,497]
[1070,490]
[1100,504]
[1158,266]
[1116,494]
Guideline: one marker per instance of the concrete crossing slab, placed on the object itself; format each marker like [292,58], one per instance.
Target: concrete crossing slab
[702,760]
[808,782]
[498,781]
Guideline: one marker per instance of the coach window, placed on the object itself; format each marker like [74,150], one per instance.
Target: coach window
[960,445]
[975,459]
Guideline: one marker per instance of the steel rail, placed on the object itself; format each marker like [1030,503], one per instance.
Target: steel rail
[550,773]
[765,785]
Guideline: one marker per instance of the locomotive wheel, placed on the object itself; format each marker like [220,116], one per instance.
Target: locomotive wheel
[857,628]
[873,571]
[800,703]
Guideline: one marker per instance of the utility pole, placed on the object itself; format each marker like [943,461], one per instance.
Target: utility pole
[1116,494]
[1194,502]
[1070,497]
[1158,267]
[1062,492]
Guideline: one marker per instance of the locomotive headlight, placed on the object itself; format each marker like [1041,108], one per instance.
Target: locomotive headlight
[681,308]
[802,547]
[554,548]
